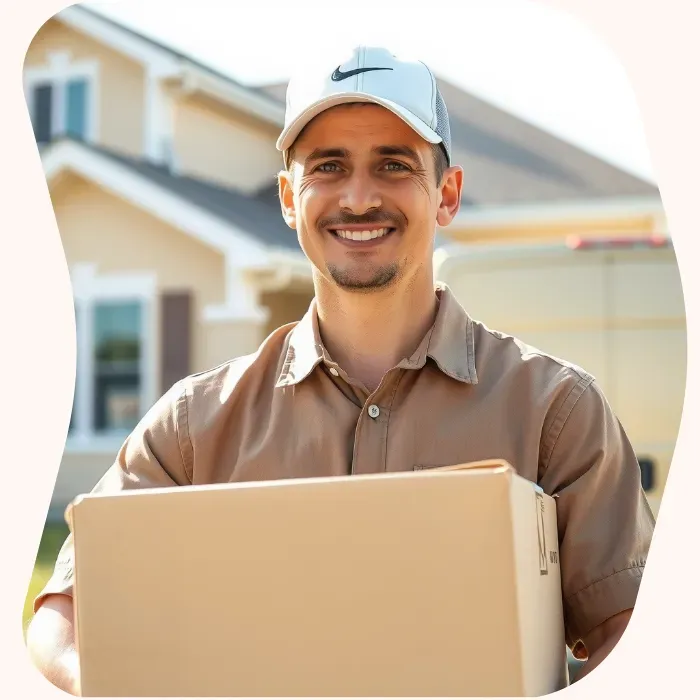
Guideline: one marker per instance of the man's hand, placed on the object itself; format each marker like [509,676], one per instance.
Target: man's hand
[600,641]
[51,643]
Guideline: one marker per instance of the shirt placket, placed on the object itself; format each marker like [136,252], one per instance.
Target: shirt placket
[371,431]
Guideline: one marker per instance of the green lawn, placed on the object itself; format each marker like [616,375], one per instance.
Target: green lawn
[51,540]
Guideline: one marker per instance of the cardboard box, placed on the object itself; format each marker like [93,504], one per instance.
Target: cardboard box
[443,582]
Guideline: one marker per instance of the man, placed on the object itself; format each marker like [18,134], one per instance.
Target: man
[387,372]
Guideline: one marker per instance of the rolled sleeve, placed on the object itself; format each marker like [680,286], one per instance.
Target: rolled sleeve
[605,523]
[156,454]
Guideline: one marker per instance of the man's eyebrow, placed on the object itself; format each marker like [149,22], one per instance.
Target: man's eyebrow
[321,153]
[405,151]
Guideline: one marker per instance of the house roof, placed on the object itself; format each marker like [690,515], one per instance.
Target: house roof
[174,52]
[507,160]
[259,215]
[168,61]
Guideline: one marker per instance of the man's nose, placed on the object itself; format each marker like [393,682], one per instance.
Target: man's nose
[359,194]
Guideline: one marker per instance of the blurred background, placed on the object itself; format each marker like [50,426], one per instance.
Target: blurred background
[156,126]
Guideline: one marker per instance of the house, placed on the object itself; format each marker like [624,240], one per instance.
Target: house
[162,174]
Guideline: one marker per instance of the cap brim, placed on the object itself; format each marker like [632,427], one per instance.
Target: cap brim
[293,129]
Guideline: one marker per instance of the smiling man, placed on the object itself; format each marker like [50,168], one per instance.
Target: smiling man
[387,372]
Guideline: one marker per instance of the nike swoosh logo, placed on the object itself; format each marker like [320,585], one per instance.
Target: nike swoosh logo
[339,75]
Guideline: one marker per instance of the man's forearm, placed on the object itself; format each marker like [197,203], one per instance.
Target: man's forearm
[51,644]
[602,640]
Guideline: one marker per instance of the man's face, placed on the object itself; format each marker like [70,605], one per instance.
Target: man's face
[363,197]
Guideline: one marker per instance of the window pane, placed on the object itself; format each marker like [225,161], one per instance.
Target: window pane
[117,353]
[76,108]
[41,116]
[646,466]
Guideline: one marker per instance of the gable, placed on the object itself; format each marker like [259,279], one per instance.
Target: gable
[116,175]
[125,237]
[224,146]
[166,62]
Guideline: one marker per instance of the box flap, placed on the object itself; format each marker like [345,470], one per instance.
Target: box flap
[495,464]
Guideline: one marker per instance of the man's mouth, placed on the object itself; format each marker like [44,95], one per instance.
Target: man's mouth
[365,235]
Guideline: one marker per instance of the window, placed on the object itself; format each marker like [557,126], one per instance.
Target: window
[114,383]
[41,113]
[59,109]
[77,92]
[117,349]
[61,99]
[647,468]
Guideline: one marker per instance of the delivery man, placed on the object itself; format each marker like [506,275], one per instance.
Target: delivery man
[386,371]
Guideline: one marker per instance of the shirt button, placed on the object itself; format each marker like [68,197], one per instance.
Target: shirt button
[334,371]
[373,411]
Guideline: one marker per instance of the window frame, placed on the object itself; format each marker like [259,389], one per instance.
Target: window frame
[90,289]
[58,72]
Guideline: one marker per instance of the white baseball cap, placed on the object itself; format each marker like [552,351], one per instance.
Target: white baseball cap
[371,74]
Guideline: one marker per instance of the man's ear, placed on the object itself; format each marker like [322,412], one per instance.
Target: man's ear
[286,194]
[450,195]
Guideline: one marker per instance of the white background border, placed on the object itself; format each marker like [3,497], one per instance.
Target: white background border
[656,42]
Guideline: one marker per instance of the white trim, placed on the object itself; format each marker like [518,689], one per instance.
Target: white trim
[451,254]
[83,377]
[284,268]
[197,79]
[159,121]
[88,284]
[241,300]
[89,289]
[299,263]
[555,212]
[169,155]
[235,314]
[165,63]
[59,71]
[120,39]
[145,194]
[152,110]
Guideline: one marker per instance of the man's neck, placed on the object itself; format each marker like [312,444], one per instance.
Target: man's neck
[369,333]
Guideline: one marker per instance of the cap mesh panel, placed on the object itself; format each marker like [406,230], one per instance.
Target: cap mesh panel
[443,123]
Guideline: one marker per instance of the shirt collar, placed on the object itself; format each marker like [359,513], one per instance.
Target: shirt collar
[449,343]
[304,351]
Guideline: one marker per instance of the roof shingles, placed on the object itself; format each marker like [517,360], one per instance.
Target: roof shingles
[507,160]
[259,215]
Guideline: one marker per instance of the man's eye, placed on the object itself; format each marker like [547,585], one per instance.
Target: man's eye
[396,166]
[328,167]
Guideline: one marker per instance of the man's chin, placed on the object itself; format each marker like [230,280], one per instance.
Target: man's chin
[365,282]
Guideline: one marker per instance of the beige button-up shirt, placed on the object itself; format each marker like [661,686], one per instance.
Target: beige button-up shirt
[467,393]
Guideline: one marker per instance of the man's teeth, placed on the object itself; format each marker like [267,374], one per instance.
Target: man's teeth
[363,235]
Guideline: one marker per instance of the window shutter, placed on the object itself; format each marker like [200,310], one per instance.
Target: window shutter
[175,337]
[647,467]
[41,116]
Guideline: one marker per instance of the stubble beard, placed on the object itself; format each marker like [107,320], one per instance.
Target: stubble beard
[383,277]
